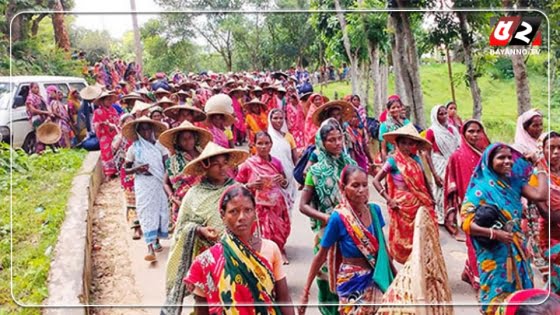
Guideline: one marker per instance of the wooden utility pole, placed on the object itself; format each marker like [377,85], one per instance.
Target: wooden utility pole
[137,43]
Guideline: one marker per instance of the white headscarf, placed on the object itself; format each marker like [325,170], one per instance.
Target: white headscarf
[447,142]
[524,143]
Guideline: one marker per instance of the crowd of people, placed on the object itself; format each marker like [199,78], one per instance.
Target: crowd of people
[177,145]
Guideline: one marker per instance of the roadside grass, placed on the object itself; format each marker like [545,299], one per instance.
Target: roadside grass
[41,187]
[499,100]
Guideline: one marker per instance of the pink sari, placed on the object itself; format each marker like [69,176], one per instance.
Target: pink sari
[272,209]
[310,128]
[105,136]
[295,119]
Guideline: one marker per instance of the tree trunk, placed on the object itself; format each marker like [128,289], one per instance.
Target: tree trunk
[366,75]
[384,82]
[17,24]
[35,24]
[396,47]
[137,42]
[60,34]
[412,72]
[521,82]
[466,40]
[376,77]
[450,72]
[348,47]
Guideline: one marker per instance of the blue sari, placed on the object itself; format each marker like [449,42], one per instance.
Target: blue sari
[497,280]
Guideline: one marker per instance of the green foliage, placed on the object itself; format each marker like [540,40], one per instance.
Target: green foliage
[38,207]
[502,69]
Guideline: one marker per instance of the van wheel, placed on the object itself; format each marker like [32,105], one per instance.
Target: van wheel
[29,143]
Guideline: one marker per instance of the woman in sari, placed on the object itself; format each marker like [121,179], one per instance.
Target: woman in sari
[491,213]
[295,119]
[185,143]
[199,225]
[550,151]
[120,146]
[145,160]
[528,130]
[239,127]
[105,123]
[393,122]
[454,119]
[531,302]
[310,129]
[256,120]
[360,269]
[457,177]
[73,109]
[284,149]
[407,189]
[61,116]
[321,194]
[219,111]
[264,175]
[241,268]
[37,111]
[358,143]
[445,140]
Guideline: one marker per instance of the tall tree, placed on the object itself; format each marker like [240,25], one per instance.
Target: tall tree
[60,33]
[467,41]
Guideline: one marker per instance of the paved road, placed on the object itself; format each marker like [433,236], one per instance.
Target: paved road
[149,278]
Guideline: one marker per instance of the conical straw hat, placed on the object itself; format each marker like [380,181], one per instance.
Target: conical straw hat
[173,112]
[140,106]
[220,104]
[348,111]
[162,91]
[129,129]
[49,133]
[408,131]
[236,157]
[167,138]
[165,100]
[90,92]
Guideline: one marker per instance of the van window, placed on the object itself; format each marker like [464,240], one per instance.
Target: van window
[77,86]
[62,87]
[23,92]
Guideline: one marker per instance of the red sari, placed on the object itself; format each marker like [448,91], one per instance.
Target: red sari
[295,119]
[105,136]
[458,174]
[272,207]
[401,227]
[310,129]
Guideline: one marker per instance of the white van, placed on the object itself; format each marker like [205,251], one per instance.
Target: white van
[15,127]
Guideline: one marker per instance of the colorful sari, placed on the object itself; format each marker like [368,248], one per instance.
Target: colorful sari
[231,273]
[255,123]
[63,120]
[357,139]
[447,140]
[180,182]
[357,285]
[295,119]
[503,269]
[413,195]
[272,205]
[457,177]
[37,102]
[105,136]
[239,127]
[326,175]
[552,252]
[219,136]
[309,128]
[199,208]
[120,146]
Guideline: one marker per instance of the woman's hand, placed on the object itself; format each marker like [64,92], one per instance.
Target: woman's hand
[438,180]
[209,233]
[392,204]
[176,201]
[503,236]
[278,179]
[303,301]
[258,184]
[142,169]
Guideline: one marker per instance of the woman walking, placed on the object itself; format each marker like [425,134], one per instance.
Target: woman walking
[241,268]
[295,119]
[105,123]
[198,225]
[354,235]
[394,121]
[37,111]
[321,194]
[457,177]
[407,188]
[185,143]
[145,160]
[219,110]
[445,140]
[256,120]
[492,213]
[264,175]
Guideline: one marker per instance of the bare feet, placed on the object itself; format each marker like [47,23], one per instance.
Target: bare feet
[151,256]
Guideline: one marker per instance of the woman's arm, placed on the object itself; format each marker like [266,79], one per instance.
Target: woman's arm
[295,156]
[381,190]
[383,151]
[544,212]
[200,307]
[306,208]
[493,234]
[539,193]
[428,155]
[316,264]
[283,296]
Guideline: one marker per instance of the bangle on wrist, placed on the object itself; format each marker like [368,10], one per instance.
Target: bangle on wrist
[382,191]
[541,172]
[491,233]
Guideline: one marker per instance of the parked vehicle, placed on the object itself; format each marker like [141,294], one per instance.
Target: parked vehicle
[15,127]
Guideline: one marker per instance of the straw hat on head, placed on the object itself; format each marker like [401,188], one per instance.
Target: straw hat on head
[129,129]
[230,82]
[196,167]
[165,100]
[140,106]
[205,86]
[132,96]
[281,89]
[185,93]
[90,92]
[162,91]
[106,94]
[220,104]
[237,89]
[143,91]
[173,112]
[167,138]
[270,87]
[257,89]
[254,101]
[348,111]
[49,133]
[408,131]
[187,85]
